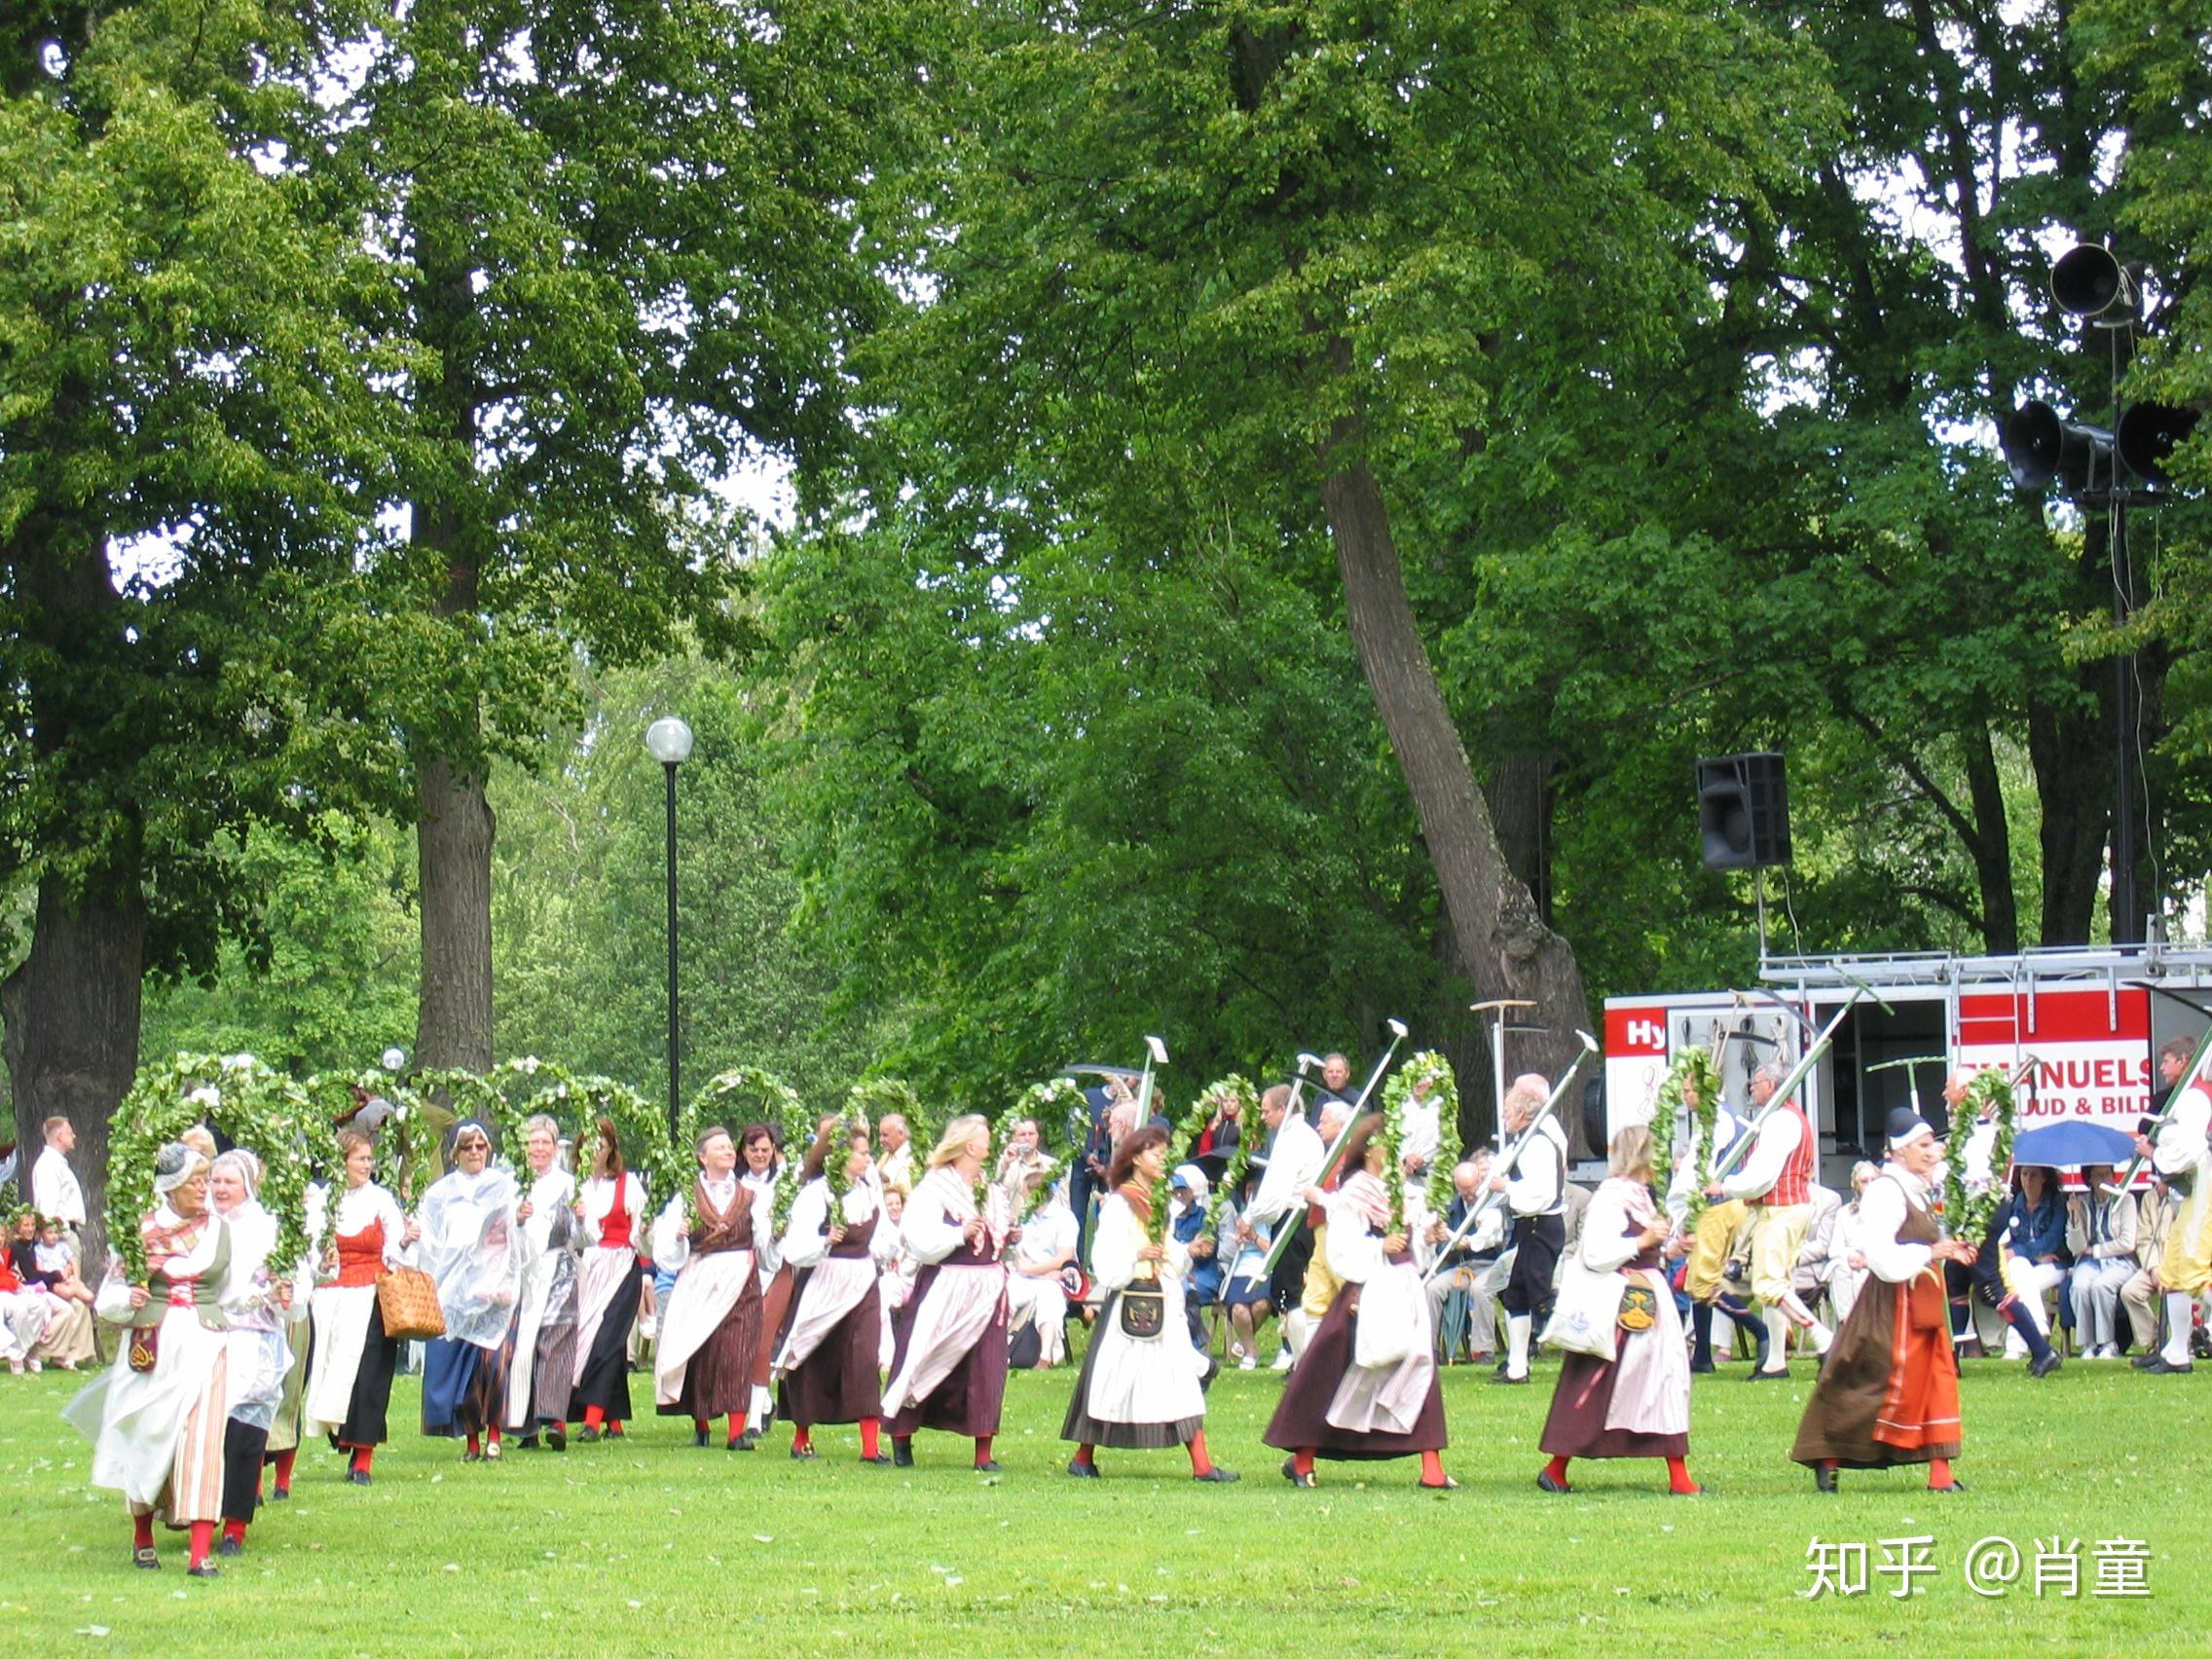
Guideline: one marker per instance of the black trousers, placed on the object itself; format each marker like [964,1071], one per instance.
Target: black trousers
[242,1449]
[1286,1285]
[1537,1241]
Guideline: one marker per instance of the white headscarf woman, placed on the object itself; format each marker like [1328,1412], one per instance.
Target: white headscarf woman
[259,1354]
[471,1249]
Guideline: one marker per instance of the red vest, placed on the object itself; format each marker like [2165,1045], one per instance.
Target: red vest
[1793,1185]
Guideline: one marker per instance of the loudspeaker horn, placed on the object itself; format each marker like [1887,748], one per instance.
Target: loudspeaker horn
[2148,435]
[2088,281]
[2040,447]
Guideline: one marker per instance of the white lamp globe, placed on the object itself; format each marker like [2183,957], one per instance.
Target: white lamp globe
[669,741]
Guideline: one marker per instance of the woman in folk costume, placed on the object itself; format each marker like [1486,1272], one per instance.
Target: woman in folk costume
[609,1281]
[259,1307]
[948,1353]
[1637,1403]
[1140,1388]
[1365,1385]
[896,1285]
[545,1313]
[763,1168]
[710,1325]
[1889,1392]
[472,1249]
[1043,1263]
[350,1376]
[836,1243]
[157,1415]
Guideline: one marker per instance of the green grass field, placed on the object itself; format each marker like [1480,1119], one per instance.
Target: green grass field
[652,1547]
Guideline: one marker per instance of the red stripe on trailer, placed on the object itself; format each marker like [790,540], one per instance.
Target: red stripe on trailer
[2058,1016]
[1637,1032]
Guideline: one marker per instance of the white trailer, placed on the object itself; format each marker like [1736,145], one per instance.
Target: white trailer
[2092,1020]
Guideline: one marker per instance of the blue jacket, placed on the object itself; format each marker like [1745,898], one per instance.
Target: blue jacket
[2040,1230]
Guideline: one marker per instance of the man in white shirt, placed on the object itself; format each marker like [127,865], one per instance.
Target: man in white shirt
[1295,1155]
[1775,1180]
[895,1167]
[1533,1180]
[55,1191]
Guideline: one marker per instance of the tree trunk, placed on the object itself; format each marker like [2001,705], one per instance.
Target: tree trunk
[1519,795]
[1991,847]
[71,1011]
[1503,944]
[454,856]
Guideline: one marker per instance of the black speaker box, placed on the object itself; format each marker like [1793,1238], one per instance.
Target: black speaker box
[1743,812]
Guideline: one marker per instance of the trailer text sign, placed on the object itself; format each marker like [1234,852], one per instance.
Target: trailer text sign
[2091,1048]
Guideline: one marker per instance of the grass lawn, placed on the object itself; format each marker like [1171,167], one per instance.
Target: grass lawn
[652,1547]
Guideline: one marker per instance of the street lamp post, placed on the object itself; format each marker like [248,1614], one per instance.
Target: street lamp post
[669,741]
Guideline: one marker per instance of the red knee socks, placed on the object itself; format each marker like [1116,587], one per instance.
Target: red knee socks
[1939,1473]
[982,1450]
[1679,1477]
[1088,1455]
[1433,1469]
[234,1531]
[363,1456]
[142,1532]
[202,1540]
[594,1416]
[802,1438]
[474,1449]
[284,1469]
[736,1427]
[1557,1469]
[1301,1463]
[871,1428]
[492,1435]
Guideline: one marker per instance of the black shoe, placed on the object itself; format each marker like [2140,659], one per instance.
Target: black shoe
[1759,1373]
[1082,1470]
[1955,1485]
[528,1443]
[991,1467]
[1702,1367]
[229,1547]
[881,1461]
[587,1437]
[1823,1480]
[1545,1483]
[146,1559]
[1446,1484]
[2045,1366]
[1306,1482]
[2161,1366]
[1216,1474]
[557,1439]
[902,1457]
[800,1454]
[205,1569]
[737,1443]
[281,1494]
[359,1477]
[747,1441]
[2144,1361]
[1509,1382]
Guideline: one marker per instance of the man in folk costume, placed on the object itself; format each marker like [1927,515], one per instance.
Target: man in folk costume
[1535,1184]
[1889,1392]
[1984,1276]
[1318,1293]
[1775,1180]
[2182,1155]
[1713,1240]
[1293,1160]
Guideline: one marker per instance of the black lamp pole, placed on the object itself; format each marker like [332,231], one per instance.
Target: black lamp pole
[673,1092]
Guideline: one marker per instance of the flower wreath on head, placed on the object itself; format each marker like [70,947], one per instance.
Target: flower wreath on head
[258,1107]
[758,1095]
[1431,1068]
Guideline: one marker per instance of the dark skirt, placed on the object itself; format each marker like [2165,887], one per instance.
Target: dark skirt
[1079,1427]
[1889,1392]
[969,1399]
[775,1318]
[549,1372]
[371,1400]
[463,1386]
[838,1381]
[1300,1420]
[719,1381]
[1580,1403]
[604,1381]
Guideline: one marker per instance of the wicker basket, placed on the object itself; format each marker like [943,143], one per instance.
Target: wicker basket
[408,1300]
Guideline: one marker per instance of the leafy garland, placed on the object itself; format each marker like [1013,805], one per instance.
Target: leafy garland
[259,1108]
[854,1120]
[1430,1069]
[874,1097]
[1058,1095]
[1240,1087]
[332,1093]
[1969,1215]
[1693,1069]
[1392,1136]
[744,1089]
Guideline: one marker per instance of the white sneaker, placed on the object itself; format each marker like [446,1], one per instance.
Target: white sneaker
[1283,1361]
[1247,1363]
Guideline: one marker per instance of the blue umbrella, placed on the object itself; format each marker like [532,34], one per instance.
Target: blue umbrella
[2072,1144]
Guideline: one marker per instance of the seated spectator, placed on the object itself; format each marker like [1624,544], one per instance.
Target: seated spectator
[2142,1296]
[2035,1242]
[23,1311]
[1036,1286]
[1816,1258]
[46,1261]
[1468,1283]
[1198,1261]
[2100,1234]
[1242,1245]
[1847,1247]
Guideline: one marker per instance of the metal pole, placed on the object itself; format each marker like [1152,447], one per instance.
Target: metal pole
[673,1114]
